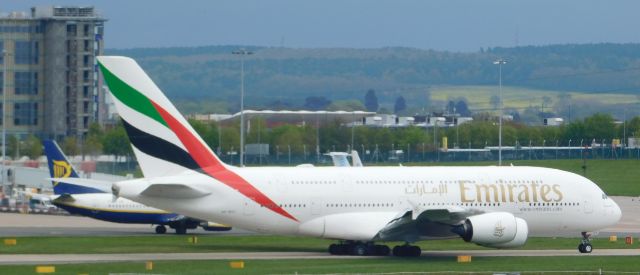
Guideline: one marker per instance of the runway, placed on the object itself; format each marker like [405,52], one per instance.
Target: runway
[135,257]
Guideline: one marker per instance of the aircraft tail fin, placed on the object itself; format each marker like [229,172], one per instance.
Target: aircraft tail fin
[163,141]
[61,167]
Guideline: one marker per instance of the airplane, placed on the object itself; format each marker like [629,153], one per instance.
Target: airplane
[340,159]
[493,206]
[93,199]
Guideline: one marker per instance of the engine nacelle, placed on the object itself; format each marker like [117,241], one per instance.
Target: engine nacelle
[497,229]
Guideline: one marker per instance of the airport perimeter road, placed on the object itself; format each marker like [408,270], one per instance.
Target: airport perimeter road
[94,258]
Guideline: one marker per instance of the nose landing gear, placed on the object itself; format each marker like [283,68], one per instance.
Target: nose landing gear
[585,244]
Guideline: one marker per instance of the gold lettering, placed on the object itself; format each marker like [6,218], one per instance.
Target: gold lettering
[463,192]
[544,191]
[523,196]
[487,189]
[534,191]
[556,189]
[503,193]
[511,186]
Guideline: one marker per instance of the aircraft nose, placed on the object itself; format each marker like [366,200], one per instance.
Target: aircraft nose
[617,212]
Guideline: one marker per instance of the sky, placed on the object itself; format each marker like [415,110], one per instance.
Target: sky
[452,25]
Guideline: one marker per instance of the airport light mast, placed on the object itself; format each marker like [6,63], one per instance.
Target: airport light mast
[5,54]
[500,62]
[242,52]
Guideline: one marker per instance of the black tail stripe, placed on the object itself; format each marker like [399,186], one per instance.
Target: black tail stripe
[159,148]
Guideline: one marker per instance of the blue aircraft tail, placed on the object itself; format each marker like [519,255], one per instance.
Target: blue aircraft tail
[60,167]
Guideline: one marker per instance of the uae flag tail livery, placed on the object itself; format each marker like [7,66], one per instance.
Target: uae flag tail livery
[163,141]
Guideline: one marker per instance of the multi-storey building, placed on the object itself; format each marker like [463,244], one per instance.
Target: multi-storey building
[53,87]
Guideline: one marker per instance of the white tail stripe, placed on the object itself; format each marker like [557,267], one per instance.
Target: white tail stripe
[146,124]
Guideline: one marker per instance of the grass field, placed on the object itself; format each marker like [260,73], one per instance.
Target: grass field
[259,243]
[515,97]
[526,265]
[615,177]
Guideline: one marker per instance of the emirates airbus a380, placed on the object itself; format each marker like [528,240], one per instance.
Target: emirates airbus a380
[491,206]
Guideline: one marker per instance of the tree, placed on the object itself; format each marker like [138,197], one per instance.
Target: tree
[462,108]
[371,101]
[316,103]
[599,126]
[32,147]
[70,145]
[92,144]
[115,142]
[400,105]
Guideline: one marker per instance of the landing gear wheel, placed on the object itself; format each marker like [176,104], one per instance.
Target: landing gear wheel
[588,248]
[338,249]
[161,229]
[585,244]
[407,251]
[358,249]
[381,250]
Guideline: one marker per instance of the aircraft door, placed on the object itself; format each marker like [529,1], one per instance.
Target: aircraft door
[316,206]
[588,207]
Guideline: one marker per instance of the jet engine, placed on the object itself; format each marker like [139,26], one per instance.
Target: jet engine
[497,229]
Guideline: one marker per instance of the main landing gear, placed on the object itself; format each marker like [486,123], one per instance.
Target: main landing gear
[585,244]
[161,229]
[359,249]
[370,249]
[407,251]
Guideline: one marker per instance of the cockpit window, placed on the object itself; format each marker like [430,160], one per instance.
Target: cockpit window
[604,196]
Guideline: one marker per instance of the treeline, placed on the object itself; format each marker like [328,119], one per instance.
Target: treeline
[335,136]
[477,134]
[284,77]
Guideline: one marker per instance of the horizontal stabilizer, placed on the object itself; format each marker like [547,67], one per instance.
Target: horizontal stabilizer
[174,191]
[104,186]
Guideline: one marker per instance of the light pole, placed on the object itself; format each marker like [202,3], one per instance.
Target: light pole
[242,52]
[5,54]
[500,62]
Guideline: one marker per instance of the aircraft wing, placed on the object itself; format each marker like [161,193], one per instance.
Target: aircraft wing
[104,186]
[427,223]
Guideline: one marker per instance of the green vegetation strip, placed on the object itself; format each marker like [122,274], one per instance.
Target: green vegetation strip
[526,265]
[262,243]
[615,177]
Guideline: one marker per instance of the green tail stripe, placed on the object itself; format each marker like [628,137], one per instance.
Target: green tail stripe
[130,96]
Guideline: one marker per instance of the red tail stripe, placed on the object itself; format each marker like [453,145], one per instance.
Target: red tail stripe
[214,168]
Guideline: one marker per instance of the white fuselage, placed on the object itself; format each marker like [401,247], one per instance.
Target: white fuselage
[355,203]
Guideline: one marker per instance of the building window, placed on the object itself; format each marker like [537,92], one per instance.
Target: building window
[25,113]
[71,30]
[26,52]
[26,83]
[1,51]
[85,76]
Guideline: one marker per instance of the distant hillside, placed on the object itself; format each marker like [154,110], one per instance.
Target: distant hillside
[211,74]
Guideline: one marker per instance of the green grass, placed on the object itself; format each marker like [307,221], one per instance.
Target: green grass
[615,177]
[516,97]
[262,243]
[378,265]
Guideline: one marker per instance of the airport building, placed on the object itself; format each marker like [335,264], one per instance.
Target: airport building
[53,88]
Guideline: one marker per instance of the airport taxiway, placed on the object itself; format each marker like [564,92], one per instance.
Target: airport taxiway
[136,257]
